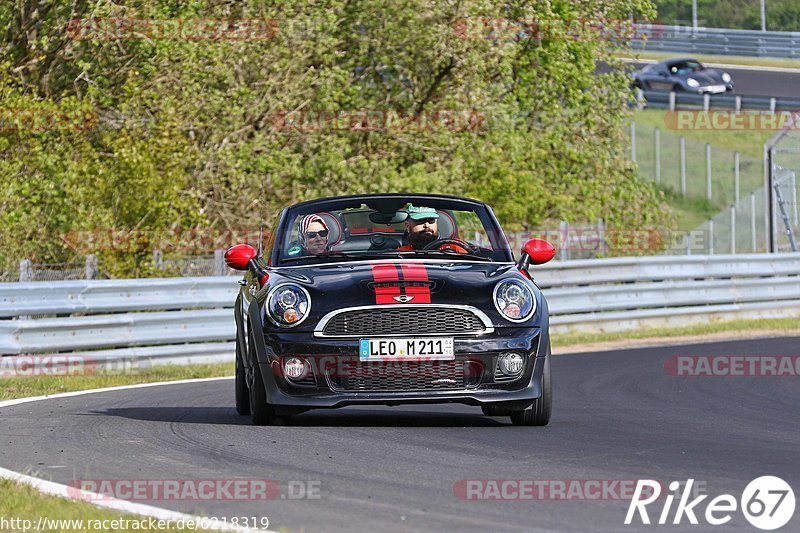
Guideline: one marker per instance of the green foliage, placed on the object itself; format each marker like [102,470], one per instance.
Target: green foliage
[782,15]
[186,133]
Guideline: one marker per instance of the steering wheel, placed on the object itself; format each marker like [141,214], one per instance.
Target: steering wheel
[438,243]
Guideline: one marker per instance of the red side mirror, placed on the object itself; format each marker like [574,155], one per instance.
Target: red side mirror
[539,250]
[238,257]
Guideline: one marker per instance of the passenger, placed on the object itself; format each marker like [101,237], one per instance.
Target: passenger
[313,235]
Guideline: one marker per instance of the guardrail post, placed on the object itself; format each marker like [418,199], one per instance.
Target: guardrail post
[219,263]
[683,165]
[639,98]
[91,266]
[633,142]
[710,236]
[737,103]
[733,229]
[708,171]
[772,105]
[658,155]
[25,270]
[753,221]
[672,100]
[706,102]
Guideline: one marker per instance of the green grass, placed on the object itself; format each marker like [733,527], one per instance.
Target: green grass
[22,502]
[788,325]
[22,387]
[728,60]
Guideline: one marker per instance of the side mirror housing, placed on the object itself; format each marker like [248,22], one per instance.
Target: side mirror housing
[238,257]
[537,252]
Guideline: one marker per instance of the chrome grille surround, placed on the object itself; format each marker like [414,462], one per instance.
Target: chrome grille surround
[418,320]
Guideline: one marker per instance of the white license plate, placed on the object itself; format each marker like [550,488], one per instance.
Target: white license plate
[432,348]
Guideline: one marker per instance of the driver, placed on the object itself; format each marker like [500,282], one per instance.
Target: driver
[422,227]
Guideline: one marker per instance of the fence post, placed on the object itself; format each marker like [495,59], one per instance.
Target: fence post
[706,102]
[672,100]
[658,155]
[633,141]
[564,228]
[753,221]
[733,229]
[708,171]
[710,236]
[91,266]
[736,177]
[738,103]
[25,270]
[219,263]
[683,165]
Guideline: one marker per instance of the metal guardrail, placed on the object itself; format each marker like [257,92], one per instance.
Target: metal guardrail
[718,41]
[182,320]
[735,102]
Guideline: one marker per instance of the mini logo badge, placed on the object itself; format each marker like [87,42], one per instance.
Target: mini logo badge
[403,298]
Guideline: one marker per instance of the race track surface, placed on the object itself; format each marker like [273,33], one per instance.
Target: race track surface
[617,416]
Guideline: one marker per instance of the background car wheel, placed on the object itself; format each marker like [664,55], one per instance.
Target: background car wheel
[242,394]
[537,414]
[261,412]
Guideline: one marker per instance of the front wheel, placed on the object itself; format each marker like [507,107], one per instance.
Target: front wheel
[261,412]
[538,414]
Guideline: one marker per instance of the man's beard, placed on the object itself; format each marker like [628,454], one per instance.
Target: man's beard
[419,240]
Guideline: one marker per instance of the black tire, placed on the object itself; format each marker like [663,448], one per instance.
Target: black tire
[242,394]
[261,412]
[538,414]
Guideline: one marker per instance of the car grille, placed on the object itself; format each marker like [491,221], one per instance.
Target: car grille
[405,376]
[404,321]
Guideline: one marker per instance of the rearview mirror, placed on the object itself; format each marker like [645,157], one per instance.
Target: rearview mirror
[238,257]
[537,252]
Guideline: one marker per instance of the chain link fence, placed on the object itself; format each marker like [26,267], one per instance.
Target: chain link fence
[783,156]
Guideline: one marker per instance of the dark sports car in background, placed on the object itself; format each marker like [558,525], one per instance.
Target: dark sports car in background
[683,74]
[374,320]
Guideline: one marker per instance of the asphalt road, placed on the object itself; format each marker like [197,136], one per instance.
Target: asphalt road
[750,82]
[617,416]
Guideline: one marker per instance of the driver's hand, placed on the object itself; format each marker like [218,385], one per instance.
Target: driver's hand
[450,247]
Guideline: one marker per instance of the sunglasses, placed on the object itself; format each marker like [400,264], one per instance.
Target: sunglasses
[313,234]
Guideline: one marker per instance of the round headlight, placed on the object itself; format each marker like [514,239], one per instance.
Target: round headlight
[726,77]
[514,300]
[691,82]
[288,305]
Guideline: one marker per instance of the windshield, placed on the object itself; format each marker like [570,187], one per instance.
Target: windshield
[686,67]
[406,230]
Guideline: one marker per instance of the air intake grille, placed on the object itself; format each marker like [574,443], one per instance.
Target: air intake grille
[405,376]
[404,321]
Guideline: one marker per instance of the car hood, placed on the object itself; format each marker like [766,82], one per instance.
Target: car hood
[706,77]
[338,285]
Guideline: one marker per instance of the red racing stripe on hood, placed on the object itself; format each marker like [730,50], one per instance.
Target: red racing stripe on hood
[417,272]
[385,273]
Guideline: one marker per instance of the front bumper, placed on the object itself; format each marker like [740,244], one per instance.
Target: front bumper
[478,354]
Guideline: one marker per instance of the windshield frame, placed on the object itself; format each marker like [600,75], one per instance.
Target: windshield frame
[497,238]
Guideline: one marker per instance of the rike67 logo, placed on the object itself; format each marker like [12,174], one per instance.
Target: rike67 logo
[767,502]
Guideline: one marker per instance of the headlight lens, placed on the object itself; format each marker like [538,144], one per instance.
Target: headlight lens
[514,300]
[288,305]
[726,77]
[691,82]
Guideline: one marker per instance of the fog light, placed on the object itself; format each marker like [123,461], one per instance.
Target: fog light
[511,363]
[295,368]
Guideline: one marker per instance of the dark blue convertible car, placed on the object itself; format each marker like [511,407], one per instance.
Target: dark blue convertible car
[391,299]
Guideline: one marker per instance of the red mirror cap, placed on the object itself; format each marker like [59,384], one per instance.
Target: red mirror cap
[539,250]
[237,257]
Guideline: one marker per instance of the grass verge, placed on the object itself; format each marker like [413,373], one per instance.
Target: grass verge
[725,60]
[22,506]
[740,327]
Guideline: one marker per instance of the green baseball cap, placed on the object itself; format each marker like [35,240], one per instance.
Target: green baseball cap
[421,213]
